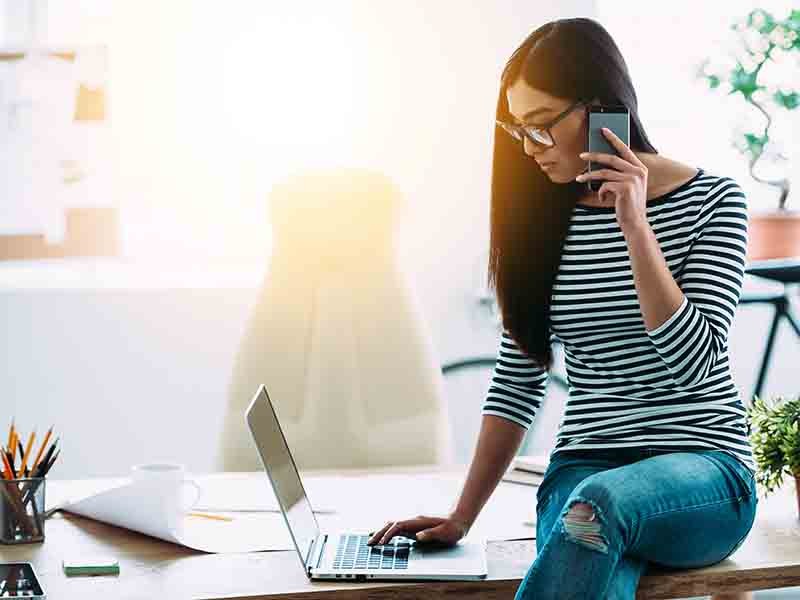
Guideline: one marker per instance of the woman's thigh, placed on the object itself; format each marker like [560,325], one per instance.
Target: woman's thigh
[564,473]
[678,509]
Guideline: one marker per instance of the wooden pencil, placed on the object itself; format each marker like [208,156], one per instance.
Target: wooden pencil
[8,472]
[41,450]
[11,435]
[13,448]
[208,516]
[27,454]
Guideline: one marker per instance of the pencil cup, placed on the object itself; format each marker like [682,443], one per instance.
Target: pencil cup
[22,510]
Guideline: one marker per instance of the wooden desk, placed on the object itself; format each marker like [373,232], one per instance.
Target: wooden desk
[151,568]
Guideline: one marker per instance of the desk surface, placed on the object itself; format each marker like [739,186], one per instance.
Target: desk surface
[151,568]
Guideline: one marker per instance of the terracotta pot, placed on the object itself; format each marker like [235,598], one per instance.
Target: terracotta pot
[773,234]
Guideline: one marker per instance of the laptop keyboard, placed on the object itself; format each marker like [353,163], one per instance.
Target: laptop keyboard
[354,553]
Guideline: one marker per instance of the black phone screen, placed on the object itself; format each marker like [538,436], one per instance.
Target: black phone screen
[18,580]
[617,119]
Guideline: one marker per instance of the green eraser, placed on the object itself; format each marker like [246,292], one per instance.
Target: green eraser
[91,565]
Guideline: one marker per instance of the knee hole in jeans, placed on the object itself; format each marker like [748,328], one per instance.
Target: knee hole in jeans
[582,522]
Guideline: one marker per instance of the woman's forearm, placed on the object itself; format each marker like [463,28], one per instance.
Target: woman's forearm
[659,295]
[498,442]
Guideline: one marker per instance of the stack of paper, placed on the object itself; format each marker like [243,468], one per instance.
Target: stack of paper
[527,468]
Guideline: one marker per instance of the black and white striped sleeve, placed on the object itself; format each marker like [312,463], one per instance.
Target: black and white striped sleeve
[517,385]
[692,339]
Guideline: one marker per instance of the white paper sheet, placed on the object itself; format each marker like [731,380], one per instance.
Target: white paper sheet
[131,507]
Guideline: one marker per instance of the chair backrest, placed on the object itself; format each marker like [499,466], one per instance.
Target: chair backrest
[337,335]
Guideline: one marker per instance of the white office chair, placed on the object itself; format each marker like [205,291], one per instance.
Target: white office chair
[337,337]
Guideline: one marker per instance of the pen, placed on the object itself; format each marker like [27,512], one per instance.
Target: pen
[51,463]
[20,472]
[48,454]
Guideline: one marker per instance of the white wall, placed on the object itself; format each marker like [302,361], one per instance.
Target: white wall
[125,376]
[132,370]
[134,375]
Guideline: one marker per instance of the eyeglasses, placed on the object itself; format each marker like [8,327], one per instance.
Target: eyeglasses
[540,135]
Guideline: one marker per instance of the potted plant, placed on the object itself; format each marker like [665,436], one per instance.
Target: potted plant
[775,439]
[764,49]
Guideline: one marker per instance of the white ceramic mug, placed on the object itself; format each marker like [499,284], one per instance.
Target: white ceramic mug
[168,480]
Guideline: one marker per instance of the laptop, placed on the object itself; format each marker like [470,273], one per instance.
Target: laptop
[342,554]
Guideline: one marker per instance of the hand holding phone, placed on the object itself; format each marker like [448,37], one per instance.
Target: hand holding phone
[614,117]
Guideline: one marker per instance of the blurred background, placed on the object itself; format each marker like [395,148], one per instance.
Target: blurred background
[141,141]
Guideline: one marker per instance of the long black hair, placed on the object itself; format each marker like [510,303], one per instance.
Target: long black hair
[572,58]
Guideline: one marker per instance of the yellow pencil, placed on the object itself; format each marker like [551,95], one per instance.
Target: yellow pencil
[11,434]
[13,448]
[41,450]
[27,453]
[207,516]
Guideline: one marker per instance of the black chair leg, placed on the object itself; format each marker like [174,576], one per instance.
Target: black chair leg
[780,308]
[792,321]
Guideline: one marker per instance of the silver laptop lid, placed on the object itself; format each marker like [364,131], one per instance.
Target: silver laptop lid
[279,464]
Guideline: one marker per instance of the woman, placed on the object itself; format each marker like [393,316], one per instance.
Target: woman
[639,281]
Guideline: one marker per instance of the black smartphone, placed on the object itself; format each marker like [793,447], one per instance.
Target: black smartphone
[614,117]
[18,580]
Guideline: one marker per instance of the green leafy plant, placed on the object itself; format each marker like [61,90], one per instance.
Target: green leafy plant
[775,439]
[762,40]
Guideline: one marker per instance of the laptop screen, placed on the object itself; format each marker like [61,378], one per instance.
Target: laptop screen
[282,472]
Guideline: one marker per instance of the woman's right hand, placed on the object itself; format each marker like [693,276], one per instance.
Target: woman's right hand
[423,529]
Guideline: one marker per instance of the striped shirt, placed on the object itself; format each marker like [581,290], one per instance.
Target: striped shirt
[668,388]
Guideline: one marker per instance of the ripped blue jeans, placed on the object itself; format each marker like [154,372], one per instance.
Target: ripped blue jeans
[602,515]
